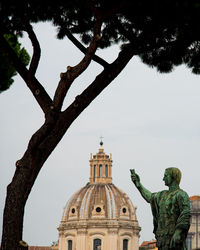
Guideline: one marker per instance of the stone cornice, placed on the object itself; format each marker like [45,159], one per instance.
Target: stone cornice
[86,224]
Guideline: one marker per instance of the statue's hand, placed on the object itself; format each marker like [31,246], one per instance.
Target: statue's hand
[176,239]
[135,178]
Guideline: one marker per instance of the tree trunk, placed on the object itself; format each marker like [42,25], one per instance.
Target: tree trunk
[25,175]
[14,210]
[42,143]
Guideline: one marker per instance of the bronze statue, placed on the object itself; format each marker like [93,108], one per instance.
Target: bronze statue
[170,209]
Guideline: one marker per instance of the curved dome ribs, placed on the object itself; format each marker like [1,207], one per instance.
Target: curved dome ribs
[111,201]
[88,202]
[84,203]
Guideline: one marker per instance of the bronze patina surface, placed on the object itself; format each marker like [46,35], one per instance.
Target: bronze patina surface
[170,209]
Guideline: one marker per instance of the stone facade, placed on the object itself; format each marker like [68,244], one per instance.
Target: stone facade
[99,216]
[193,239]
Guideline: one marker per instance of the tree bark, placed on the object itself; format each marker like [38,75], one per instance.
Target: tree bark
[14,209]
[25,175]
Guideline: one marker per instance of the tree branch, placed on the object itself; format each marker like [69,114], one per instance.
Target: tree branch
[36,49]
[103,80]
[96,58]
[73,72]
[66,118]
[33,84]
[99,84]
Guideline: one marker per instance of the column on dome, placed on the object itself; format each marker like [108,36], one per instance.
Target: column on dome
[100,167]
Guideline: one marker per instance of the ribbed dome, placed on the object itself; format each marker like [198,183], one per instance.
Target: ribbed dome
[99,201]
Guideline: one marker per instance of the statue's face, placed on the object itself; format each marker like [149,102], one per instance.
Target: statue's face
[167,178]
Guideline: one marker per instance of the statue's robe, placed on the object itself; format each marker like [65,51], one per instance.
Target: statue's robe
[171,211]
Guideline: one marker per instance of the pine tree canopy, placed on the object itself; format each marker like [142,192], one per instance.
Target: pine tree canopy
[163,34]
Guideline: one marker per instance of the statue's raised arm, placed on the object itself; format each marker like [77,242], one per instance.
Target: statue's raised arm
[146,194]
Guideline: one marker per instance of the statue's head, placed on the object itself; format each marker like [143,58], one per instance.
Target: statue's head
[173,175]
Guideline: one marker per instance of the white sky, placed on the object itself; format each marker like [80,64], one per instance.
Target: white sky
[149,121]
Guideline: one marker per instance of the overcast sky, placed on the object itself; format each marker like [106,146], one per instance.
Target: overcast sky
[149,121]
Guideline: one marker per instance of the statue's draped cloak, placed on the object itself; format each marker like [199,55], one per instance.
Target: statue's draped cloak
[171,211]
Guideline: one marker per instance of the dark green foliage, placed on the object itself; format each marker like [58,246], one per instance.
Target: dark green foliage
[163,33]
[7,71]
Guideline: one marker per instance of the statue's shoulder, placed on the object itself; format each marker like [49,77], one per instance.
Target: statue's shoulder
[159,194]
[182,193]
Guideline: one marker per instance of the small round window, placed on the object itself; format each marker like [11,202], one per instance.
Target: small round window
[124,210]
[98,209]
[73,210]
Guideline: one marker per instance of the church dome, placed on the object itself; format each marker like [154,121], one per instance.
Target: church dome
[99,201]
[99,211]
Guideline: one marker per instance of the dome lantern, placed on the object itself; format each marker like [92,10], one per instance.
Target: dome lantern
[100,167]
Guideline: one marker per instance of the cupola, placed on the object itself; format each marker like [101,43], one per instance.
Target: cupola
[100,167]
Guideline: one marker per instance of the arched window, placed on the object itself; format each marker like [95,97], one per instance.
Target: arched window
[69,244]
[100,170]
[106,170]
[125,244]
[97,244]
